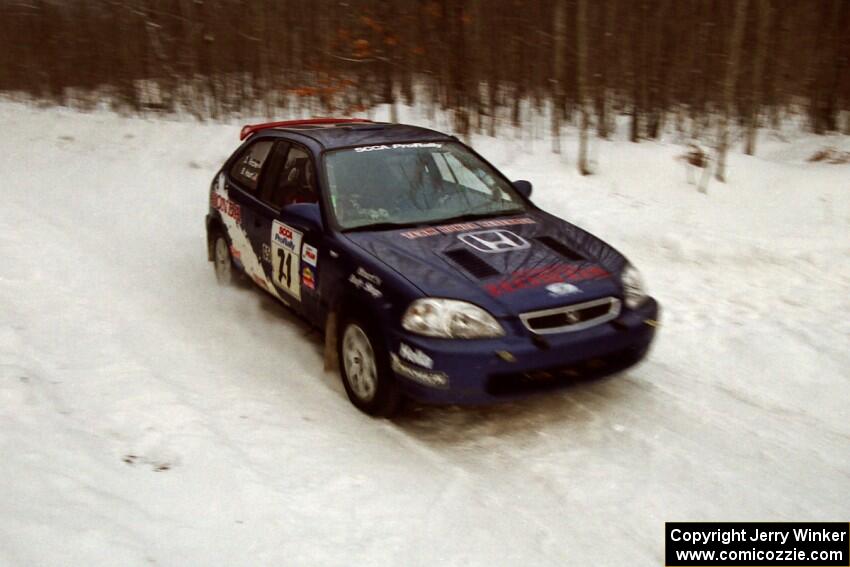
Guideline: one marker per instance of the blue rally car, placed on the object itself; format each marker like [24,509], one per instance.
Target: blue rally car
[433,276]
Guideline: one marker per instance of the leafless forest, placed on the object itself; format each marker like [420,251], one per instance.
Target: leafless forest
[698,66]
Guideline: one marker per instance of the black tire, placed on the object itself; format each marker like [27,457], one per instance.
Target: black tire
[383,398]
[225,271]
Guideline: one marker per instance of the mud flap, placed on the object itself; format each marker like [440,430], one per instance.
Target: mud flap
[331,357]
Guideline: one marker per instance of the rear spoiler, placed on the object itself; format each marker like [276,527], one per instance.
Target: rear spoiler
[249,129]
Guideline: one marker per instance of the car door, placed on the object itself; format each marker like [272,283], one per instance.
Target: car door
[281,242]
[292,240]
[238,187]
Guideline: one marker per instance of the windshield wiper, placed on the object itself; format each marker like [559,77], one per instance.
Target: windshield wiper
[416,224]
[384,226]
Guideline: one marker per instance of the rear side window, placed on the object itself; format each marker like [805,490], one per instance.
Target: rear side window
[246,170]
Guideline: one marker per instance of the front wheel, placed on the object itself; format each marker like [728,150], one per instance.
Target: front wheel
[365,372]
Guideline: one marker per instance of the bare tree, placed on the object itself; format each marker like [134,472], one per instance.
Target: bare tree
[606,72]
[764,18]
[712,63]
[560,37]
[731,75]
[581,40]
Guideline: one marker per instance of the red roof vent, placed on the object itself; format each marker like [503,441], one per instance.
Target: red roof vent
[249,129]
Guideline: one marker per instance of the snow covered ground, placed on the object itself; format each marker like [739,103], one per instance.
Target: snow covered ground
[150,417]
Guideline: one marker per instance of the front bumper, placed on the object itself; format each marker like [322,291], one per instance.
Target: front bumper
[489,370]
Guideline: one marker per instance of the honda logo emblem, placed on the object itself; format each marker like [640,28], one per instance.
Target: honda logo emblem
[572,318]
[490,241]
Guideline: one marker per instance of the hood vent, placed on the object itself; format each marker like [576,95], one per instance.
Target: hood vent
[560,248]
[472,263]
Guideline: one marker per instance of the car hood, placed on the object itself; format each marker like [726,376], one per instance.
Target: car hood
[508,265]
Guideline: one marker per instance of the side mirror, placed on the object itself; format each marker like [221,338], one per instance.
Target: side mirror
[523,187]
[307,215]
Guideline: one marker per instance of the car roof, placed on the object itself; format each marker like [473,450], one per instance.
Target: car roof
[346,133]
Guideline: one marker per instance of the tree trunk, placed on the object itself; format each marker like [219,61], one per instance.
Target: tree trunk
[458,97]
[608,27]
[638,70]
[731,75]
[558,74]
[657,68]
[839,63]
[758,70]
[581,41]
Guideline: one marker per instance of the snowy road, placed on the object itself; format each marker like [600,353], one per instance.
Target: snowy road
[148,416]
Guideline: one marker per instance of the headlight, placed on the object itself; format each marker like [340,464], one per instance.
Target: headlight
[633,288]
[451,319]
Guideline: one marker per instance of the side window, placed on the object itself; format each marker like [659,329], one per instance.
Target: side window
[246,170]
[296,182]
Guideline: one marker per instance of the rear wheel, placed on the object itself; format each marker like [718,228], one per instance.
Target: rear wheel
[365,372]
[222,260]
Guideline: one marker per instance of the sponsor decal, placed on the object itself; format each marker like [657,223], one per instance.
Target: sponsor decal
[372,278]
[465,226]
[248,173]
[366,286]
[506,355]
[420,233]
[536,277]
[286,258]
[459,227]
[226,206]
[308,278]
[397,146]
[310,255]
[505,222]
[561,288]
[493,241]
[434,379]
[283,235]
[415,356]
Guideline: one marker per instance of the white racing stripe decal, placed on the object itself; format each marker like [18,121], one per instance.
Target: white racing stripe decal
[242,250]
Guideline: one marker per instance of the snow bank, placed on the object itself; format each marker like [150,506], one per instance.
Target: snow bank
[148,416]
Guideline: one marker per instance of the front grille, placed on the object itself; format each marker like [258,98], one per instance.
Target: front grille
[571,318]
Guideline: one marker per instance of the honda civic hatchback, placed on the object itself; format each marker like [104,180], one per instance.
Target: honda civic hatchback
[433,276]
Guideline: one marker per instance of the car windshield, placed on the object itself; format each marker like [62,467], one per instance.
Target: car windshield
[391,185]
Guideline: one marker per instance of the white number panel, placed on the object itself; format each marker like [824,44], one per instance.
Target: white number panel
[286,258]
